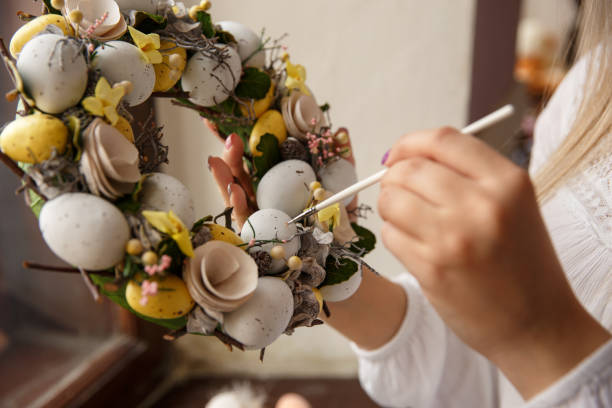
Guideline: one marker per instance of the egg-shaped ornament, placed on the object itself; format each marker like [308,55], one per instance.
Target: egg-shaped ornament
[250,46]
[172,299]
[33,138]
[337,175]
[271,225]
[32,28]
[54,72]
[148,6]
[342,290]
[84,230]
[163,192]
[210,80]
[264,317]
[121,61]
[285,187]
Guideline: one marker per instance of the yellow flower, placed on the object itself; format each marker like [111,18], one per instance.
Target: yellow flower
[296,76]
[330,213]
[148,44]
[169,223]
[105,102]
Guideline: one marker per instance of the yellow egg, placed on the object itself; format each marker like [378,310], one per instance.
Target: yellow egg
[167,75]
[123,126]
[171,301]
[220,233]
[31,139]
[270,122]
[261,105]
[29,30]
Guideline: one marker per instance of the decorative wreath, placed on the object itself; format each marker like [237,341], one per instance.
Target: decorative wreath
[129,230]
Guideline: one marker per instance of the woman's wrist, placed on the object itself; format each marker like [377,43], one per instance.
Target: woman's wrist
[549,349]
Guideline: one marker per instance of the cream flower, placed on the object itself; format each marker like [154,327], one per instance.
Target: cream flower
[96,19]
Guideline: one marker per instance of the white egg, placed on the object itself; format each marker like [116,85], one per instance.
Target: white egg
[248,43]
[338,175]
[84,230]
[264,317]
[149,6]
[210,82]
[164,193]
[343,290]
[121,61]
[271,224]
[54,72]
[285,187]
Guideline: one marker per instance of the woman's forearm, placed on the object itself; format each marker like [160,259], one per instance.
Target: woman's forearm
[373,314]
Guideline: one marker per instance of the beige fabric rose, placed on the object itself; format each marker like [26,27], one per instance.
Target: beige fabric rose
[96,23]
[109,161]
[220,277]
[299,110]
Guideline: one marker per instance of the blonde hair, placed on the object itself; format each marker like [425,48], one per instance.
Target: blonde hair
[589,133]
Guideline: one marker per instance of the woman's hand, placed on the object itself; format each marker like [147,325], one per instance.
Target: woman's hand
[465,222]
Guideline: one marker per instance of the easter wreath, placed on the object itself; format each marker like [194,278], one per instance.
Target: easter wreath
[131,231]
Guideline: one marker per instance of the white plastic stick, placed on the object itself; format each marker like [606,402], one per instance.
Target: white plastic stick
[475,127]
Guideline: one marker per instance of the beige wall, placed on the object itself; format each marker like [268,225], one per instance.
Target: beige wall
[386,68]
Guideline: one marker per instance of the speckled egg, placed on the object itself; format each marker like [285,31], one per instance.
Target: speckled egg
[248,43]
[30,29]
[338,175]
[121,61]
[84,230]
[54,72]
[209,82]
[343,290]
[171,301]
[264,317]
[271,224]
[285,187]
[164,193]
[32,138]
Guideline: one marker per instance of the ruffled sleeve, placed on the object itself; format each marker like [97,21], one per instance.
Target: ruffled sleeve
[425,364]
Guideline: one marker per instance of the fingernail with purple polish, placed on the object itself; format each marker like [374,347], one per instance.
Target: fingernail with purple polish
[385,157]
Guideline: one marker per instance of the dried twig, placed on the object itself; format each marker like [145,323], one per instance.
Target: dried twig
[62,269]
[29,183]
[171,94]
[225,339]
[326,310]
[93,289]
[175,334]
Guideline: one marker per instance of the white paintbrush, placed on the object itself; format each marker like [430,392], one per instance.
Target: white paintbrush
[475,127]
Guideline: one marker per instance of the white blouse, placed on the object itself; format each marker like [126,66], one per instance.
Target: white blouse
[426,365]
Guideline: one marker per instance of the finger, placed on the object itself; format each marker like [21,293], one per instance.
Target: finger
[238,200]
[463,153]
[222,175]
[213,128]
[343,144]
[234,150]
[409,251]
[430,180]
[408,212]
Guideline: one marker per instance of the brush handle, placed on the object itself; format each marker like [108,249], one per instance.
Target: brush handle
[475,127]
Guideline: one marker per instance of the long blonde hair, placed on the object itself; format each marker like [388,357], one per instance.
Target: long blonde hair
[588,136]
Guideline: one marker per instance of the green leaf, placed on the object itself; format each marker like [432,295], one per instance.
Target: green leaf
[118,297]
[149,23]
[169,247]
[254,84]
[36,203]
[366,242]
[74,125]
[201,222]
[50,8]
[208,29]
[268,145]
[225,37]
[325,107]
[338,272]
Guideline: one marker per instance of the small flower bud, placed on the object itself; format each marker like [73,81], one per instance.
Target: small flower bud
[346,153]
[277,252]
[193,12]
[127,86]
[76,16]
[314,185]
[285,57]
[319,194]
[57,4]
[134,247]
[205,5]
[12,95]
[294,263]
[149,258]
[342,137]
